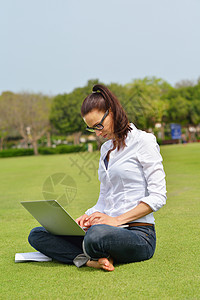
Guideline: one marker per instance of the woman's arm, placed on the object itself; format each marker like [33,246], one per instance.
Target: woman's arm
[139,211]
[151,161]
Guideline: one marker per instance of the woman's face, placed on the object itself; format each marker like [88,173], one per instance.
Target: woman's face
[94,117]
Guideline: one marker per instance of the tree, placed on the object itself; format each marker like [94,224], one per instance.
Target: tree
[144,103]
[193,96]
[5,116]
[178,110]
[184,83]
[29,114]
[183,107]
[66,111]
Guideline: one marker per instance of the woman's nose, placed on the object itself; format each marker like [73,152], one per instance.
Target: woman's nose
[98,133]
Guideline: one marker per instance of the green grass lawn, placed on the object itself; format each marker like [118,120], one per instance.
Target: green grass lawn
[173,272]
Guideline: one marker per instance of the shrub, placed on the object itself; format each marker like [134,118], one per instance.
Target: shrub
[60,149]
[16,152]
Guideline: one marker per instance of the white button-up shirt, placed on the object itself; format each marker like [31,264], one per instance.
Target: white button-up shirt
[135,174]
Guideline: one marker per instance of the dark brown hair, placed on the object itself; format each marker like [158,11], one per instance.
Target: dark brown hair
[102,99]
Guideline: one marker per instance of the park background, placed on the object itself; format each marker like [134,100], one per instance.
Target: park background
[52,54]
[54,124]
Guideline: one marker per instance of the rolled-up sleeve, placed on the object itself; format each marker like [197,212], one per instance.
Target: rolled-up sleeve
[151,160]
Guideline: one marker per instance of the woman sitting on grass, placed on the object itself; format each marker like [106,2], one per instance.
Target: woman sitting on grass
[120,227]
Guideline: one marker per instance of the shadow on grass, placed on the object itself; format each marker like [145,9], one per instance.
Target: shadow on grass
[83,269]
[57,264]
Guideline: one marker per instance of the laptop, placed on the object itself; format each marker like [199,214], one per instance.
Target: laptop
[53,217]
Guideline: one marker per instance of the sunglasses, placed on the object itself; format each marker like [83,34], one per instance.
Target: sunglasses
[99,126]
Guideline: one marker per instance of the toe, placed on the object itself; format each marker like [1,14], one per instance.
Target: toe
[106,264]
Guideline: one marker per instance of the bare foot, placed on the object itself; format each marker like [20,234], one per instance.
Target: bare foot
[103,263]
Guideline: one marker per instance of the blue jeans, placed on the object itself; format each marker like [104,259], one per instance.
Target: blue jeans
[124,245]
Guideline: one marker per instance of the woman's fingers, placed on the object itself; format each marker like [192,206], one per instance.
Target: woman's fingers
[78,220]
[93,218]
[81,220]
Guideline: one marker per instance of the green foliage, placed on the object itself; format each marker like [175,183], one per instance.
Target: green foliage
[16,152]
[178,110]
[184,105]
[60,149]
[144,104]
[194,112]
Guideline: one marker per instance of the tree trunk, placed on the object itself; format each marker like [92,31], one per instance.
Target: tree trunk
[162,130]
[35,147]
[189,135]
[25,143]
[1,144]
[48,139]
[77,136]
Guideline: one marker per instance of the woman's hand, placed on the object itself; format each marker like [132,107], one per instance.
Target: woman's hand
[81,220]
[100,218]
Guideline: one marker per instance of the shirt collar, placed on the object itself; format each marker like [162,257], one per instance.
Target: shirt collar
[109,144]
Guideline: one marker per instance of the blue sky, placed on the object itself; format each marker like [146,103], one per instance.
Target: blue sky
[54,46]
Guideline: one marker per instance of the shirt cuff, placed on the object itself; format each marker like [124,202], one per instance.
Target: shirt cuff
[80,260]
[154,202]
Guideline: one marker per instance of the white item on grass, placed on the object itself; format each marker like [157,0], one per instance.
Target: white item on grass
[31,256]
